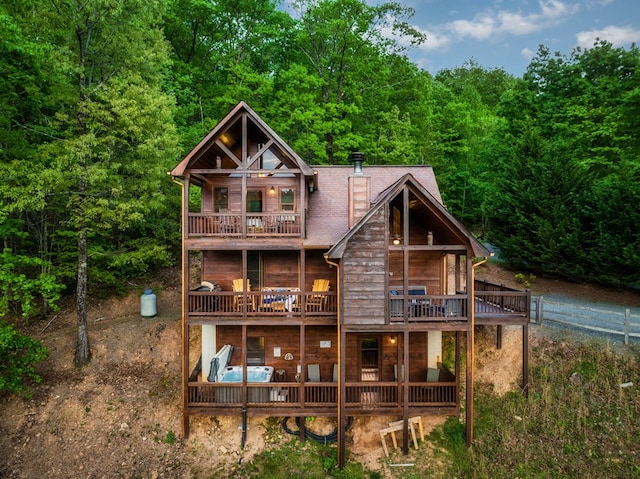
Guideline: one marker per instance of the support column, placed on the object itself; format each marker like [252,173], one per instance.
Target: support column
[342,423]
[185,311]
[405,394]
[525,359]
[208,348]
[434,348]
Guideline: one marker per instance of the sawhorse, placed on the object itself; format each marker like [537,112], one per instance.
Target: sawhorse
[399,426]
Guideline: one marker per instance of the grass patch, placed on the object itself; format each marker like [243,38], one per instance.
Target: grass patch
[585,428]
[294,459]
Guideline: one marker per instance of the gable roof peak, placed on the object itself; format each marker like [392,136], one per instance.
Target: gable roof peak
[209,141]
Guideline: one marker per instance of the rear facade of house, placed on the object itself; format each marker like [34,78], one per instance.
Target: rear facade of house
[325,291]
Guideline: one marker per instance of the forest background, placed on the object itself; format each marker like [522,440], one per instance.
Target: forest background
[100,98]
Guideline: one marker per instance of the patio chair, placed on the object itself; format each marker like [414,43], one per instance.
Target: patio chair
[313,373]
[225,222]
[433,375]
[318,302]
[239,300]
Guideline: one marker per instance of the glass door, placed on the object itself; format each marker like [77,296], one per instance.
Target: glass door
[370,358]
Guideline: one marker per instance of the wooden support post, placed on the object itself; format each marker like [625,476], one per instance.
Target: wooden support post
[525,359]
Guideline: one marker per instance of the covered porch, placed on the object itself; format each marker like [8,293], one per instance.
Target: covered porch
[306,379]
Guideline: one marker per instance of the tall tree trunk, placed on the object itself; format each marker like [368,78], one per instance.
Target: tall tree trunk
[83,352]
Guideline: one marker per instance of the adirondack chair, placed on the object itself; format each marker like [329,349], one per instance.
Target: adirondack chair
[318,302]
[239,300]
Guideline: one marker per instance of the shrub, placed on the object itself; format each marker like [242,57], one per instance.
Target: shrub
[18,357]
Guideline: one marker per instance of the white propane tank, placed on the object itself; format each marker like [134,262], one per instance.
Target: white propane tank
[148,304]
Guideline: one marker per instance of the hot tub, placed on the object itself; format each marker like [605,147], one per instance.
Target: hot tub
[255,374]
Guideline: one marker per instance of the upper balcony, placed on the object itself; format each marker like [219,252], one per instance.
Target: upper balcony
[247,225]
[243,181]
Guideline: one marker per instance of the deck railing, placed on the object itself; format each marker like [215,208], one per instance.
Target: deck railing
[427,307]
[262,303]
[359,395]
[239,225]
[489,300]
[492,298]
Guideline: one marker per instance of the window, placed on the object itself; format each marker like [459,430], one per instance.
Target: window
[396,222]
[268,161]
[255,350]
[254,201]
[254,268]
[287,199]
[220,199]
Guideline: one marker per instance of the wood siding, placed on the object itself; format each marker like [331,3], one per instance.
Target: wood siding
[287,338]
[280,269]
[364,274]
[425,269]
[270,202]
[222,267]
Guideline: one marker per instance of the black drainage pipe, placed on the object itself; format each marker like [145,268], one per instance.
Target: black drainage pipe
[244,427]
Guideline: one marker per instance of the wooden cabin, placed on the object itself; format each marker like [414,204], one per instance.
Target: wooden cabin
[325,291]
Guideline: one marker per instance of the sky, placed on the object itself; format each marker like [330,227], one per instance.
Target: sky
[507,33]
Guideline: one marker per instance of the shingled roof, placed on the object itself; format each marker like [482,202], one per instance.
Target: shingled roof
[478,249]
[328,217]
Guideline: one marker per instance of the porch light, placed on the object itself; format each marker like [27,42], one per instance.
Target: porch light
[392,339]
[272,191]
[397,240]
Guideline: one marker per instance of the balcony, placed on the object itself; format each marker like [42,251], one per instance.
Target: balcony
[492,303]
[240,225]
[262,304]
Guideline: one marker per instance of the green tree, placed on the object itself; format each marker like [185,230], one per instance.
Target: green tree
[569,123]
[463,120]
[341,43]
[223,52]
[110,137]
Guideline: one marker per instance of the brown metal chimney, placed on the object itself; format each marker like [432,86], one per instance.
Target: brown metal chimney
[359,190]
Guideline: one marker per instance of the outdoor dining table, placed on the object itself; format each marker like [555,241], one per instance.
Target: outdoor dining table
[280,294]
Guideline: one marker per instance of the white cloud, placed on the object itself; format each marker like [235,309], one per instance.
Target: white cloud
[527,53]
[617,36]
[437,40]
[489,25]
[481,27]
[551,13]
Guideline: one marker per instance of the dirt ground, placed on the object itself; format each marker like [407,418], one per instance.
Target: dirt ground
[120,416]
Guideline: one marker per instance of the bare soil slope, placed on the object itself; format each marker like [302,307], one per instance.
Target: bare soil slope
[120,416]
